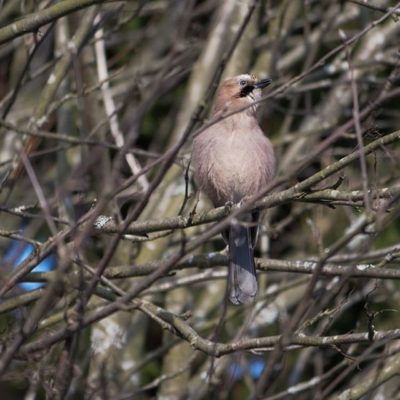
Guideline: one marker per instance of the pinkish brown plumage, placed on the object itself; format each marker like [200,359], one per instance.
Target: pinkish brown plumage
[232,160]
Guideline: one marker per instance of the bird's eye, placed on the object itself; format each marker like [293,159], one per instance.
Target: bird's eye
[242,82]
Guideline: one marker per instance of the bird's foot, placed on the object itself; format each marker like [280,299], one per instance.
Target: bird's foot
[228,205]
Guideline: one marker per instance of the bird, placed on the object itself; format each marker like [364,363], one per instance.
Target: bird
[233,160]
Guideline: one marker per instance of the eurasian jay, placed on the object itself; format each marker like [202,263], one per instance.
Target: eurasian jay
[233,160]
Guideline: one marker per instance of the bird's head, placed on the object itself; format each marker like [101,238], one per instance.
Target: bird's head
[238,92]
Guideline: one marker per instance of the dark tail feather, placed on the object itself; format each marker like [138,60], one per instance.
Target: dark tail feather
[242,278]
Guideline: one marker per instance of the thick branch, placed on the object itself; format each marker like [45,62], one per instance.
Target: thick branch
[34,21]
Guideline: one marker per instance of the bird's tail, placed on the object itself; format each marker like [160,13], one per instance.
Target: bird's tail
[242,278]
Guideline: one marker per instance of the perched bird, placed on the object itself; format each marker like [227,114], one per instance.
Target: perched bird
[233,160]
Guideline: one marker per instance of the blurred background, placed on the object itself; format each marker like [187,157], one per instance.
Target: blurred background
[111,285]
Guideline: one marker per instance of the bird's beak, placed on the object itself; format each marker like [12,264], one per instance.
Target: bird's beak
[263,83]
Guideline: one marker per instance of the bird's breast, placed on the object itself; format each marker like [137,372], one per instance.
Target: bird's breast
[232,164]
